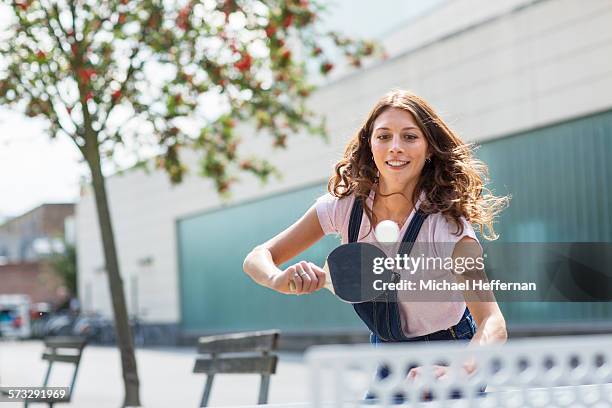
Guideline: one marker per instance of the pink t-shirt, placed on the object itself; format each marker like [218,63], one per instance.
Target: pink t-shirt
[418,318]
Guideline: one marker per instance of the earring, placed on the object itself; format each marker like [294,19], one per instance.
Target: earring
[428,160]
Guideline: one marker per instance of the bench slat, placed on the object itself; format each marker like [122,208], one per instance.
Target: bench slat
[238,342]
[65,342]
[61,358]
[236,365]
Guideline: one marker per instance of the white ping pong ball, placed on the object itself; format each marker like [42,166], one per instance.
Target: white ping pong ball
[387,231]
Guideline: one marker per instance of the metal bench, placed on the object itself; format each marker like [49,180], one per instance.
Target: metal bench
[238,353]
[61,350]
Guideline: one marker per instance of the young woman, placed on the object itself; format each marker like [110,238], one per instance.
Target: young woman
[406,165]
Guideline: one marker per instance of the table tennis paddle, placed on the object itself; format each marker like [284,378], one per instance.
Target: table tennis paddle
[349,272]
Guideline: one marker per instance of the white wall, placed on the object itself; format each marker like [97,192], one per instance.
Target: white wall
[527,68]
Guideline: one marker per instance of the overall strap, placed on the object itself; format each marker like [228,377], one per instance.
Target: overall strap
[414,227]
[355,220]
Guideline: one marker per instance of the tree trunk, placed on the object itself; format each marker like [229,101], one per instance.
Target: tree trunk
[124,334]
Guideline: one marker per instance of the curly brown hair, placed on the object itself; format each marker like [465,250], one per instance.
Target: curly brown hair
[453,181]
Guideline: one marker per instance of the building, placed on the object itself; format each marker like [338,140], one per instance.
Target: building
[26,242]
[530,81]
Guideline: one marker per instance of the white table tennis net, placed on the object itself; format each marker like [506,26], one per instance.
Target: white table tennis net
[542,372]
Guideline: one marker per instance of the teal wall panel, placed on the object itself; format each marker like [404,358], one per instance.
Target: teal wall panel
[560,180]
[216,295]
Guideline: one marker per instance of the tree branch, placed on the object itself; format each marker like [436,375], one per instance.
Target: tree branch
[52,116]
[113,136]
[52,30]
[52,85]
[131,70]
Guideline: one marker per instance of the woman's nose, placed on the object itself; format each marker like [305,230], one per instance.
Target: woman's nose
[396,144]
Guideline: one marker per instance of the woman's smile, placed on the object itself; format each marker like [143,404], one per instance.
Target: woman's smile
[397,164]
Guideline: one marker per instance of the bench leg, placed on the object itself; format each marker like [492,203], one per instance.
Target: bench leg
[263,389]
[207,388]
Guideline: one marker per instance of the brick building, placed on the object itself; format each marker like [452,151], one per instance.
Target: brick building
[26,242]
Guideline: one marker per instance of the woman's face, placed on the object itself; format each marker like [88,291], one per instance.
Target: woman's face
[399,148]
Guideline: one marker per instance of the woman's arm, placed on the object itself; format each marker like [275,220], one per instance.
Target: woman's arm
[490,323]
[491,326]
[261,264]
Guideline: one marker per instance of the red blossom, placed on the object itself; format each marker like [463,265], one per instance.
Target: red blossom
[41,55]
[86,74]
[244,64]
[326,67]
[178,98]
[224,186]
[74,49]
[246,165]
[116,95]
[153,20]
[121,19]
[182,20]
[270,30]
[88,95]
[286,54]
[317,51]
[69,109]
[288,21]
[23,4]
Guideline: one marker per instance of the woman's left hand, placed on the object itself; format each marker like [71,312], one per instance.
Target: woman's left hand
[441,372]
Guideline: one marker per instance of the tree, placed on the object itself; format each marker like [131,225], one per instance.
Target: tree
[120,74]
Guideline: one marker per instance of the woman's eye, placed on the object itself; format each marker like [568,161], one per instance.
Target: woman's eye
[383,136]
[410,136]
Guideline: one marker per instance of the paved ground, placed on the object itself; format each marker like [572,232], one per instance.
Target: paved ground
[165,376]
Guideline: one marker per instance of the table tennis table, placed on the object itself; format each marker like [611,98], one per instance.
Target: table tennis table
[547,372]
[551,372]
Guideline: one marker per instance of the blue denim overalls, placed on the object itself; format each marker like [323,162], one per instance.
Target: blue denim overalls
[382,315]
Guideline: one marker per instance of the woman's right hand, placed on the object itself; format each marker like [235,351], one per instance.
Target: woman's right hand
[307,277]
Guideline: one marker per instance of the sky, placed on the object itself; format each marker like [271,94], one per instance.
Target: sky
[35,169]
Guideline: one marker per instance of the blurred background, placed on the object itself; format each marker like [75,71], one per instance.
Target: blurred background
[529,81]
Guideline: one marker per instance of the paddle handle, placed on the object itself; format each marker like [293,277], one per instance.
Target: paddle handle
[328,282]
